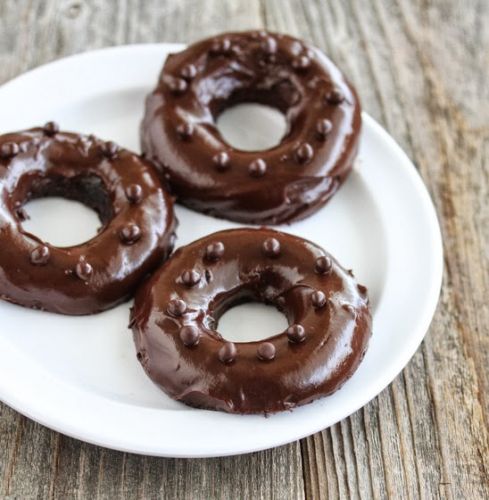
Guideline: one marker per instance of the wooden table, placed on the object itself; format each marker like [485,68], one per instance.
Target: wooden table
[421,68]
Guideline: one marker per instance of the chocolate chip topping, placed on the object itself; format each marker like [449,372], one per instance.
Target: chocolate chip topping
[304,153]
[269,45]
[323,265]
[84,270]
[349,309]
[130,233]
[188,72]
[335,96]
[301,63]
[221,46]
[190,335]
[190,277]
[214,251]
[323,127]
[227,353]
[271,247]
[177,86]
[9,150]
[40,255]
[51,129]
[257,168]
[266,351]
[134,193]
[296,334]
[318,299]
[185,130]
[21,214]
[176,307]
[221,160]
[110,149]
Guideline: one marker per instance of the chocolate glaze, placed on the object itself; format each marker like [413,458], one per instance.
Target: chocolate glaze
[284,183]
[179,346]
[136,213]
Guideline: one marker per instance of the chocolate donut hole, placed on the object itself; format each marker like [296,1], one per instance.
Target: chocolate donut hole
[250,321]
[252,126]
[66,211]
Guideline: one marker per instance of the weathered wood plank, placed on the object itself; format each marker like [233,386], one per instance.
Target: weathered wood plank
[420,69]
[417,66]
[36,462]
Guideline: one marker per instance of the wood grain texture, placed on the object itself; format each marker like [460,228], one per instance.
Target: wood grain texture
[421,70]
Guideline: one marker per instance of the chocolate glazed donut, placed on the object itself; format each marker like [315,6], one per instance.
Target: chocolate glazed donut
[282,184]
[136,213]
[176,313]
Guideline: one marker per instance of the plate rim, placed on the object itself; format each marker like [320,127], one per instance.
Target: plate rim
[9,397]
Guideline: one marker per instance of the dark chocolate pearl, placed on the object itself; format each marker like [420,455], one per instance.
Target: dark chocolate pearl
[221,46]
[323,265]
[318,299]
[51,128]
[21,214]
[110,149]
[227,353]
[335,96]
[271,247]
[84,270]
[177,86]
[214,251]
[257,168]
[296,48]
[208,276]
[362,289]
[301,63]
[176,307]
[296,334]
[225,45]
[266,351]
[190,277]
[280,303]
[269,45]
[130,233]
[323,127]
[40,255]
[134,193]
[142,357]
[221,161]
[190,335]
[304,153]
[185,130]
[9,150]
[188,72]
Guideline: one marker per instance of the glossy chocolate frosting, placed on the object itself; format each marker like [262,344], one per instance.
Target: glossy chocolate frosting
[136,213]
[285,183]
[176,313]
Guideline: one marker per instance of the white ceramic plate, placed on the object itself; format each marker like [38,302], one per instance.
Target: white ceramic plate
[80,376]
